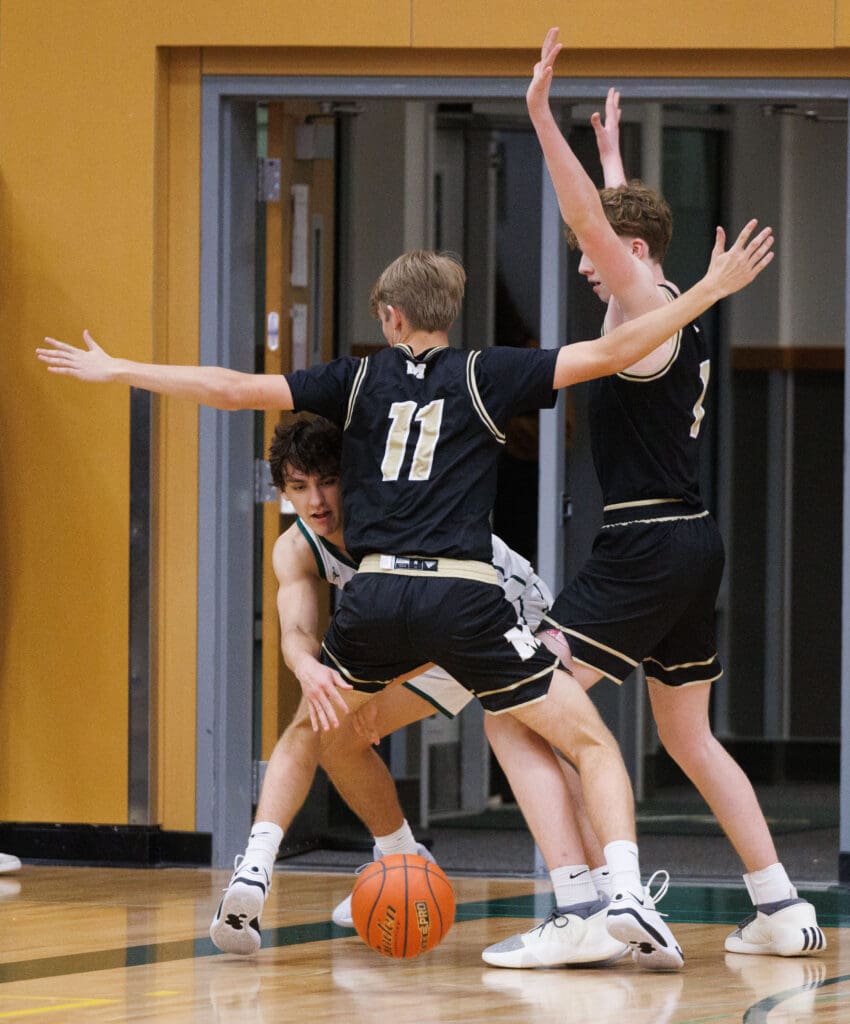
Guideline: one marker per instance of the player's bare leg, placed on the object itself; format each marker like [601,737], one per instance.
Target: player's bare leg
[359,775]
[575,932]
[235,928]
[570,722]
[536,781]
[363,779]
[782,924]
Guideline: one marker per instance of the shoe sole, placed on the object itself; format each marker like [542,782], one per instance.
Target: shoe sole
[528,959]
[651,948]
[236,927]
[606,951]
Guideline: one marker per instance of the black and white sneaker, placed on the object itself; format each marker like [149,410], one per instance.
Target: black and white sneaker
[786,928]
[236,925]
[574,935]
[633,919]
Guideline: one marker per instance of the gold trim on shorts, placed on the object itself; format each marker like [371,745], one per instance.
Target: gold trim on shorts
[638,504]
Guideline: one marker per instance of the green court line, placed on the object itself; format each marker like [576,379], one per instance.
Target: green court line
[757,1013]
[683,904]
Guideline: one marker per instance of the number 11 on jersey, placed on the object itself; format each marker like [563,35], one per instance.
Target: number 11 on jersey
[402,416]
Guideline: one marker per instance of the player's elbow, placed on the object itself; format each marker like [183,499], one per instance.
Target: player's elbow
[234,392]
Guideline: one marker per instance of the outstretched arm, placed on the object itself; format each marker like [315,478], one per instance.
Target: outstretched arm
[608,140]
[215,386]
[728,272]
[625,277]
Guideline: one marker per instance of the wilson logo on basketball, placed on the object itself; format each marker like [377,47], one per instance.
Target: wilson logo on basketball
[386,930]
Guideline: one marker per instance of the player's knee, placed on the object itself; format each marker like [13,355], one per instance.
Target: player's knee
[299,734]
[687,746]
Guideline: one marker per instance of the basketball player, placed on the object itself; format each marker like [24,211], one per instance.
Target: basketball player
[422,424]
[647,593]
[304,459]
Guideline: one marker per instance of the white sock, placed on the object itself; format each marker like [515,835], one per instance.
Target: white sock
[573,884]
[400,841]
[623,862]
[769,885]
[602,880]
[263,844]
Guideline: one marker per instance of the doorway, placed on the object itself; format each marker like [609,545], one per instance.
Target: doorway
[229,110]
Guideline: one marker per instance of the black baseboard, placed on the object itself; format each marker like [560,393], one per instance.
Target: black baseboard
[115,845]
[765,762]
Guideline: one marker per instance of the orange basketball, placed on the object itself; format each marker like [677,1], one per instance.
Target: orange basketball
[402,905]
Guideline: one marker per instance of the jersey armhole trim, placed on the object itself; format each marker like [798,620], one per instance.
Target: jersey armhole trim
[645,378]
[355,388]
[477,401]
[313,547]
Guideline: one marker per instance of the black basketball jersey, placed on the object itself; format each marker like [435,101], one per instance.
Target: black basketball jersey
[646,431]
[421,438]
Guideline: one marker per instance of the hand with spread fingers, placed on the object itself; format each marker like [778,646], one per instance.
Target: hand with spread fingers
[732,269]
[90,363]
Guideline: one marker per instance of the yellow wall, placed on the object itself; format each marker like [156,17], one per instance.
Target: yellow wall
[99,225]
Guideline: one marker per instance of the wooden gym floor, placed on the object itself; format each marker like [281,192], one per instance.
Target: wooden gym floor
[109,944]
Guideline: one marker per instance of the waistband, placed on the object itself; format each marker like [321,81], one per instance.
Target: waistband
[421,565]
[650,510]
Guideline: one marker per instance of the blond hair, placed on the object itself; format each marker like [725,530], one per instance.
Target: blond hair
[426,286]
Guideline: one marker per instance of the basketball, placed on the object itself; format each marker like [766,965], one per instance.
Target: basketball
[402,905]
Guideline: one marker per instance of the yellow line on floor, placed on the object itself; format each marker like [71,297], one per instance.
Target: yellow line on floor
[77,1004]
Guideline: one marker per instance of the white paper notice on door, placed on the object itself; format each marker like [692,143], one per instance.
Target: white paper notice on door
[300,239]
[299,336]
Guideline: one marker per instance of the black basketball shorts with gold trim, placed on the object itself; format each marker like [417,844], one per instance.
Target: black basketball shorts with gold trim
[647,595]
[388,624]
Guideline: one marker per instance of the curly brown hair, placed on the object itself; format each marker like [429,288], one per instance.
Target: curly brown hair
[635,210]
[310,446]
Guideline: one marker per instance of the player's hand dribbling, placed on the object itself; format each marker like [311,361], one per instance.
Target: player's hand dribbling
[730,271]
[321,688]
[90,363]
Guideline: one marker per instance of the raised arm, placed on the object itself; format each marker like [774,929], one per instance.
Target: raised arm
[728,272]
[215,386]
[298,596]
[608,140]
[579,202]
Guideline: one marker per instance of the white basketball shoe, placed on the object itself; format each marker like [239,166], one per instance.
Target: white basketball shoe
[236,925]
[8,862]
[575,935]
[633,919]
[342,911]
[785,928]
